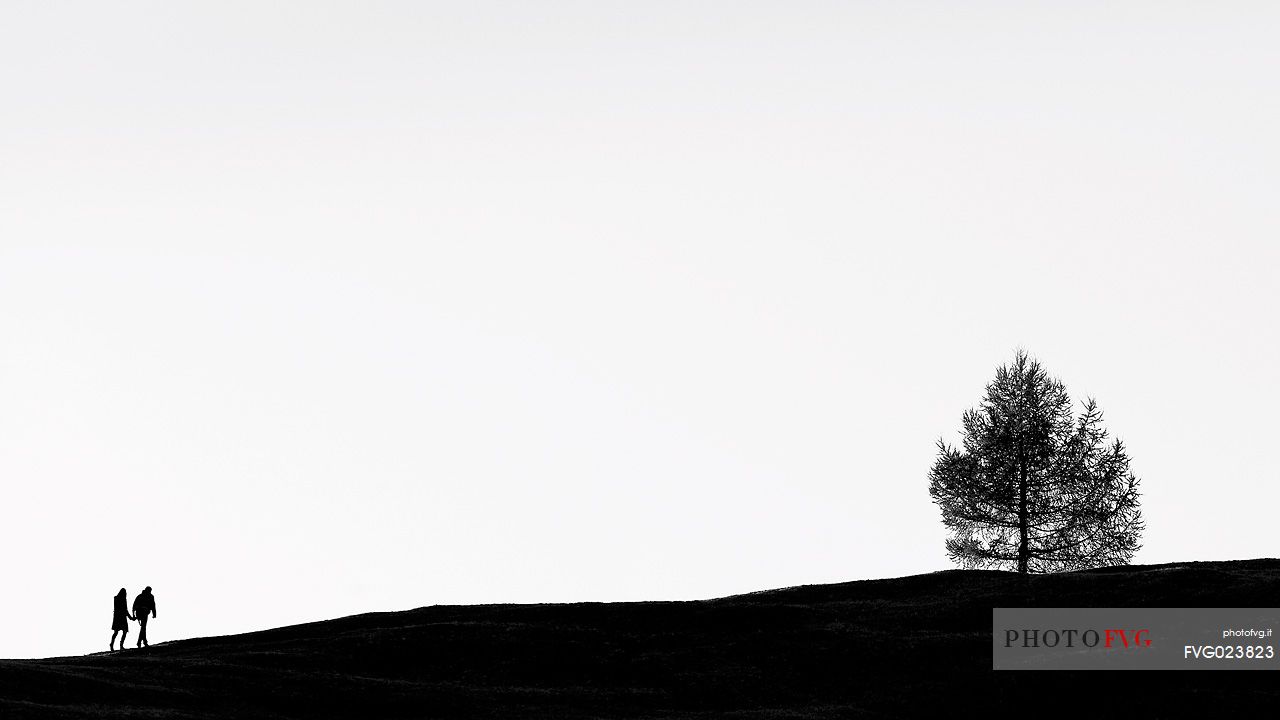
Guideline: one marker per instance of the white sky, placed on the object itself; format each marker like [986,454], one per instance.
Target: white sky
[309,309]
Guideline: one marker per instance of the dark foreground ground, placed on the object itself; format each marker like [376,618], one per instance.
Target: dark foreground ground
[908,646]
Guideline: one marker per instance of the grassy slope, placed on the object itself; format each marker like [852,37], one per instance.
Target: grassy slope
[874,648]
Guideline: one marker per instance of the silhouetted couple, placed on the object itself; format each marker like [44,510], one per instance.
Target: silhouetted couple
[143,605]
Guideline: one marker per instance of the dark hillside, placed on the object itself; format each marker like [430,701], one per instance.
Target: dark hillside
[905,646]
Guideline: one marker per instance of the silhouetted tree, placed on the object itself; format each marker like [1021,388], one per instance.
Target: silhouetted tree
[1033,487]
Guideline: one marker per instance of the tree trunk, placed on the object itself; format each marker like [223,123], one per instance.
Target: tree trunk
[1024,550]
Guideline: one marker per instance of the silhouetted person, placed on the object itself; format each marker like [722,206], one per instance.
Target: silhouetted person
[120,619]
[143,604]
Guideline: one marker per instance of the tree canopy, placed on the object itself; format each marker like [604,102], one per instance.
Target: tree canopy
[1033,487]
